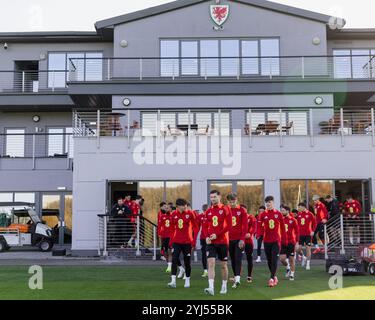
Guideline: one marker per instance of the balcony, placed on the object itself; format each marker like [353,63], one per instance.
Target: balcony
[259,128]
[33,82]
[322,68]
[20,151]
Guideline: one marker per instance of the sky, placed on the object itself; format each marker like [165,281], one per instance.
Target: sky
[80,15]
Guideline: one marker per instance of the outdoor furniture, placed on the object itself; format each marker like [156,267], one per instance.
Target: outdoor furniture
[286,129]
[175,132]
[203,131]
[268,128]
[112,126]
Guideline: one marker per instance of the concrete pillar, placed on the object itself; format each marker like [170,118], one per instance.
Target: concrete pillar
[199,193]
[272,188]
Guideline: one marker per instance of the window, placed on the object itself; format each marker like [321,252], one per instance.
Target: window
[293,192]
[169,49]
[270,48]
[56,70]
[356,63]
[230,52]
[189,49]
[250,66]
[15,143]
[178,189]
[210,65]
[51,209]
[360,61]
[342,64]
[60,142]
[87,66]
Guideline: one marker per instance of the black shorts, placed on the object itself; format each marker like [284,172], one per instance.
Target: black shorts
[305,241]
[165,244]
[288,250]
[219,251]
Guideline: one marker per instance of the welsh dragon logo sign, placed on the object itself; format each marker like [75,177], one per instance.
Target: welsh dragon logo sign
[219,13]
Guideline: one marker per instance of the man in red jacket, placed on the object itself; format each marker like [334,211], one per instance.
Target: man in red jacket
[249,245]
[352,210]
[274,234]
[183,225]
[307,225]
[259,235]
[321,214]
[237,234]
[219,220]
[288,248]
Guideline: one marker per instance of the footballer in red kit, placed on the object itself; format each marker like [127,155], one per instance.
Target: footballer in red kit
[202,220]
[307,226]
[288,248]
[183,228]
[219,221]
[321,215]
[274,234]
[164,232]
[259,234]
[352,210]
[237,234]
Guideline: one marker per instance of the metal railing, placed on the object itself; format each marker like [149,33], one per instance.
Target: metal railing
[344,235]
[37,146]
[33,81]
[247,67]
[124,238]
[163,123]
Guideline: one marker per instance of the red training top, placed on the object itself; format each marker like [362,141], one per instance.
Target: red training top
[239,228]
[219,221]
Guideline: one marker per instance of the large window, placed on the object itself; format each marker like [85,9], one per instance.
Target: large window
[87,66]
[210,122]
[51,209]
[220,57]
[15,143]
[250,193]
[155,192]
[354,63]
[60,142]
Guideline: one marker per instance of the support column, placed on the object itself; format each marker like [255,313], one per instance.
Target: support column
[199,193]
[272,188]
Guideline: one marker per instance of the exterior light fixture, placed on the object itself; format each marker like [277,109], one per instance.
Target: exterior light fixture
[126,102]
[316,41]
[124,43]
[319,101]
[36,118]
[43,56]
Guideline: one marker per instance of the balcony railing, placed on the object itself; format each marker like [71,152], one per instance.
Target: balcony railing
[238,68]
[251,123]
[37,146]
[33,81]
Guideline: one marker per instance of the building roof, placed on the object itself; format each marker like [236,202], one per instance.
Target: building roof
[152,11]
[350,34]
[51,36]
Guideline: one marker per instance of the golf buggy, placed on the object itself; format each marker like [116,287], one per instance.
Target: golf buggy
[24,228]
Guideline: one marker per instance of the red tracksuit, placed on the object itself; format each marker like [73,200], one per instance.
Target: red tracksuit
[321,212]
[273,229]
[251,228]
[183,227]
[291,229]
[239,226]
[219,221]
[135,208]
[306,223]
[201,221]
[164,225]
[352,208]
[258,227]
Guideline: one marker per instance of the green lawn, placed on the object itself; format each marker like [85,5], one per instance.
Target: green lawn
[110,282]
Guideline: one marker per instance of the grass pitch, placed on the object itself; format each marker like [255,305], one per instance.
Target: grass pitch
[150,283]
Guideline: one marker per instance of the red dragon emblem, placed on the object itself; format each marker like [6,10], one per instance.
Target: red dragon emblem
[219,13]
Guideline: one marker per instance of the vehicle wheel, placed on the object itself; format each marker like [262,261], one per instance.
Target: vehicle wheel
[371,269]
[3,246]
[45,245]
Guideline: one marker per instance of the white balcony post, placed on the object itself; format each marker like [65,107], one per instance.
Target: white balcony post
[34,141]
[205,69]
[23,81]
[342,127]
[270,68]
[325,242]
[281,127]
[303,67]
[53,81]
[67,152]
[155,242]
[311,128]
[98,129]
[173,65]
[189,127]
[109,69]
[158,128]
[239,69]
[250,129]
[220,128]
[105,230]
[342,234]
[140,69]
[128,129]
[138,253]
[373,125]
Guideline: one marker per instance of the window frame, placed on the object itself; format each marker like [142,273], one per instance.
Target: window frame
[16,134]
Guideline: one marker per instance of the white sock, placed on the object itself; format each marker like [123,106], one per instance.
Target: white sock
[182,269]
[173,279]
[205,271]
[288,266]
[169,265]
[308,263]
[187,280]
[224,285]
[292,273]
[211,283]
[131,240]
[236,279]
